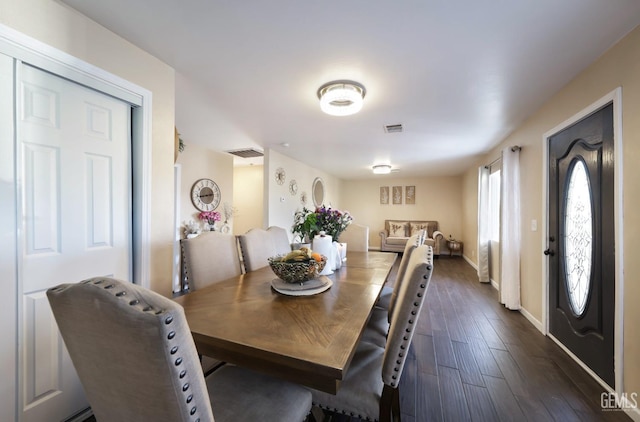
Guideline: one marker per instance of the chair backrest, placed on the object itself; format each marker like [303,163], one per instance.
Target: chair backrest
[406,313]
[258,244]
[414,241]
[356,236]
[209,258]
[133,351]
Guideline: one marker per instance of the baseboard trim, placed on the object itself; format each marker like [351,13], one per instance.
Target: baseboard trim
[470,262]
[536,323]
[81,416]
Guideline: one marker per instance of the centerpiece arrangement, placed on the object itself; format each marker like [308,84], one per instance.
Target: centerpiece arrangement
[298,266]
[307,224]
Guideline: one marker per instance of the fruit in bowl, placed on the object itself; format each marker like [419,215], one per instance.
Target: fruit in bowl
[298,266]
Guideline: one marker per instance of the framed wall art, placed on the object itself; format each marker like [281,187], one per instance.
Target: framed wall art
[384,195]
[410,195]
[397,195]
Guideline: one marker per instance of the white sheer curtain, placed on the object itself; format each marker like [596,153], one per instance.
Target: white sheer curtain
[483,224]
[510,229]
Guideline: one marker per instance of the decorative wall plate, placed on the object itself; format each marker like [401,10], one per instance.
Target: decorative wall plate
[293,187]
[303,198]
[281,176]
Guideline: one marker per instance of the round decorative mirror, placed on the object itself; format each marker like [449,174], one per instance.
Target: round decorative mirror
[317,192]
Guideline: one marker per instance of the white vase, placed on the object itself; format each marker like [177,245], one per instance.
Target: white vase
[324,246]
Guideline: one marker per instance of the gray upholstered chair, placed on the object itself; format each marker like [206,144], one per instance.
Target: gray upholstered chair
[356,236]
[136,359]
[209,258]
[258,244]
[378,325]
[364,393]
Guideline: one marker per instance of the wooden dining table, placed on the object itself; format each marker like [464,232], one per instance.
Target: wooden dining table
[309,340]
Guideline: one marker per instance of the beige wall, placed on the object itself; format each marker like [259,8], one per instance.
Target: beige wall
[248,193]
[196,163]
[61,27]
[619,67]
[437,198]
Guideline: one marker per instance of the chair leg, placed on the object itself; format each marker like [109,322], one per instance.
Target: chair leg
[389,401]
[395,405]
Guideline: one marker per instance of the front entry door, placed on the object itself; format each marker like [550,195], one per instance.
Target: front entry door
[74,221]
[581,241]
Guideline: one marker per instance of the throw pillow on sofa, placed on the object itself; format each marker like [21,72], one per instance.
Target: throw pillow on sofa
[397,229]
[416,227]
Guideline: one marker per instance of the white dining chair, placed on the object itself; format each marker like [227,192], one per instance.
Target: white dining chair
[209,258]
[370,388]
[258,244]
[378,326]
[137,361]
[356,236]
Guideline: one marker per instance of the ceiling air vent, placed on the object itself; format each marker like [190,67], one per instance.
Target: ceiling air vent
[246,153]
[397,128]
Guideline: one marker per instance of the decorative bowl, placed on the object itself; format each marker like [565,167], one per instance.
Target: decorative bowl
[297,272]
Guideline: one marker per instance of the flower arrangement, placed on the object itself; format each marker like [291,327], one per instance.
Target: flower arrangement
[210,217]
[309,223]
[332,222]
[304,224]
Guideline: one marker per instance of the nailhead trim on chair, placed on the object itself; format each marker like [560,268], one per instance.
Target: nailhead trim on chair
[173,349]
[409,328]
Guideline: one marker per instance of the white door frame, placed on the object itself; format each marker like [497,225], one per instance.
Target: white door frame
[614,96]
[29,50]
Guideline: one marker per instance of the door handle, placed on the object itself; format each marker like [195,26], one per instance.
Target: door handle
[549,252]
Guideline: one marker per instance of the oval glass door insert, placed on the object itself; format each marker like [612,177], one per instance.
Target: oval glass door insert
[578,238]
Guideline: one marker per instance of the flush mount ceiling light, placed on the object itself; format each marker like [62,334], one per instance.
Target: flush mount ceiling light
[341,98]
[382,169]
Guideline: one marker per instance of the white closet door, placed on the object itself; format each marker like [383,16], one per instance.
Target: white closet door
[75,218]
[8,304]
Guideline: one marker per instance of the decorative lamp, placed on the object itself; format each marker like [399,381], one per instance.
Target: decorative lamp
[341,98]
[382,169]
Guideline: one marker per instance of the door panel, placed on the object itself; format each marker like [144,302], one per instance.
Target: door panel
[581,241]
[74,169]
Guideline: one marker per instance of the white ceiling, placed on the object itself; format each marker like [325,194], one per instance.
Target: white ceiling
[458,75]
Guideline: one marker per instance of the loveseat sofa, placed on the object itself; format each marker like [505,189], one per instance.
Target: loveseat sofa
[396,233]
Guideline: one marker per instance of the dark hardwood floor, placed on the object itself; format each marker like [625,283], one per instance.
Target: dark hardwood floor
[472,359]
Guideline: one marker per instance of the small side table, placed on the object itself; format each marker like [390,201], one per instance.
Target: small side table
[454,246]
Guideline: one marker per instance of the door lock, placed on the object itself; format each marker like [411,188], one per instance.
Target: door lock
[549,252]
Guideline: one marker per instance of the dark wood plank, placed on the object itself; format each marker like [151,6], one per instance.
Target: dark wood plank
[469,371]
[408,387]
[480,405]
[454,403]
[429,405]
[424,349]
[484,358]
[503,400]
[444,351]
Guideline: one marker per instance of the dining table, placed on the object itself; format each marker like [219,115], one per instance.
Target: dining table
[309,340]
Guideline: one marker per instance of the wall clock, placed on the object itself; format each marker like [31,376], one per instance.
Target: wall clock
[293,187]
[280,175]
[205,195]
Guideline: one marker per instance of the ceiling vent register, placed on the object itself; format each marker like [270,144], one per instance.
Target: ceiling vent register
[397,128]
[246,153]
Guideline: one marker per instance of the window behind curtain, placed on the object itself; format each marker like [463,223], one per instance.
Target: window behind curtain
[494,206]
